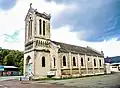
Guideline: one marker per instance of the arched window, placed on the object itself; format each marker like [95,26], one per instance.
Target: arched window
[74,62]
[82,62]
[100,62]
[54,61]
[29,30]
[94,62]
[40,27]
[43,61]
[43,27]
[64,61]
[30,27]
[88,59]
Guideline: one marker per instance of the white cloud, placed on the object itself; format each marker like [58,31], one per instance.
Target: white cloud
[13,20]
[63,34]
[19,45]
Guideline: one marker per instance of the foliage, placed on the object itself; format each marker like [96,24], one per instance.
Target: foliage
[11,58]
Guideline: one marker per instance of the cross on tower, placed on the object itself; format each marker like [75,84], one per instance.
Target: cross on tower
[30,5]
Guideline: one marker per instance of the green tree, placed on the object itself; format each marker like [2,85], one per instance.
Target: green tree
[12,57]
[9,60]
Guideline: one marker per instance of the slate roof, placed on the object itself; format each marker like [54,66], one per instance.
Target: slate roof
[44,15]
[76,49]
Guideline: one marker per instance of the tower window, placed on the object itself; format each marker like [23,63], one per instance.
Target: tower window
[82,62]
[30,27]
[29,30]
[40,27]
[64,61]
[100,62]
[43,61]
[43,27]
[74,62]
[94,62]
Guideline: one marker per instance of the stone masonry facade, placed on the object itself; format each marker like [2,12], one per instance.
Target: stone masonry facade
[42,55]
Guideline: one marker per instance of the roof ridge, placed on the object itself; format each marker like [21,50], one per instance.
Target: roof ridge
[69,44]
[93,49]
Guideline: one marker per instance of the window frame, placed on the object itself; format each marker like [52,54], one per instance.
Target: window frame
[40,26]
[74,61]
[54,62]
[100,62]
[82,61]
[43,61]
[64,61]
[88,59]
[44,28]
[95,62]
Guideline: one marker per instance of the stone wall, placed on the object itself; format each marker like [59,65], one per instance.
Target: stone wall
[90,71]
[83,71]
[101,70]
[96,70]
[75,71]
[39,70]
[65,72]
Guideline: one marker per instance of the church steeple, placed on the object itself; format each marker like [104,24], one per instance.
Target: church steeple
[37,27]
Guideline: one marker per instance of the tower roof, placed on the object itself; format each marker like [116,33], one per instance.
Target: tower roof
[43,15]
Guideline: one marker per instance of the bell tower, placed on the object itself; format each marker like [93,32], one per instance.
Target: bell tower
[37,29]
[37,42]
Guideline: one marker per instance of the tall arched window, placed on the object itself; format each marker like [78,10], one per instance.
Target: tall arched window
[54,61]
[64,61]
[43,61]
[30,27]
[88,59]
[94,62]
[43,27]
[74,61]
[82,64]
[100,62]
[40,27]
[29,30]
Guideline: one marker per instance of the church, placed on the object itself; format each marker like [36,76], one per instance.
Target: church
[43,57]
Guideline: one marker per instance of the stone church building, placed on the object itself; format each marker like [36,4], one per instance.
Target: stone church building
[42,56]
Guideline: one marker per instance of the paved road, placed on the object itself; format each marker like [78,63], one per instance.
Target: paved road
[26,84]
[104,81]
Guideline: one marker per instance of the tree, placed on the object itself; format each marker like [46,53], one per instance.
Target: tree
[9,60]
[12,58]
[21,65]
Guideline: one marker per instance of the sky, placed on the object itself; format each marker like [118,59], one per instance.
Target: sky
[94,23]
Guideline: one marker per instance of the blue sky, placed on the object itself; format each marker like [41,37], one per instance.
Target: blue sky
[7,4]
[81,22]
